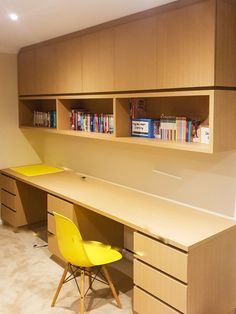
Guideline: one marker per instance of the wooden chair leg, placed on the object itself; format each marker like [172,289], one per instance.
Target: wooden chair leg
[113,290]
[90,277]
[82,292]
[60,284]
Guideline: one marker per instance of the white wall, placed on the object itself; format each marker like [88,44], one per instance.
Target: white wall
[206,181]
[15,149]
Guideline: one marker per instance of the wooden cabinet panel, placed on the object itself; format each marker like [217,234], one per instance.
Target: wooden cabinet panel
[161,256]
[8,215]
[53,246]
[135,55]
[53,68]
[98,61]
[144,303]
[61,207]
[226,43]
[8,199]
[162,286]
[185,46]
[51,224]
[8,184]
[68,59]
[26,72]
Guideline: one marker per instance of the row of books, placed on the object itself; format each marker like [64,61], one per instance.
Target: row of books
[44,119]
[169,128]
[80,120]
[174,128]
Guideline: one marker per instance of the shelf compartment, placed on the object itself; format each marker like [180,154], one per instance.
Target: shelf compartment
[28,106]
[193,106]
[91,105]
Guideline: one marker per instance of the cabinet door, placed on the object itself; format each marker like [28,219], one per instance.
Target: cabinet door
[53,68]
[135,55]
[185,46]
[98,60]
[26,72]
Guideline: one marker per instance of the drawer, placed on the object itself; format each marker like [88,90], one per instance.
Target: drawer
[53,247]
[8,199]
[60,206]
[160,285]
[146,304]
[8,184]
[8,215]
[159,255]
[51,224]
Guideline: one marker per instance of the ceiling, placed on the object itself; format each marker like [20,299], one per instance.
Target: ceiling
[45,19]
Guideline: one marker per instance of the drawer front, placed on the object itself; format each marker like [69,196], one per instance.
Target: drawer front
[161,256]
[8,184]
[8,199]
[53,247]
[8,215]
[51,224]
[160,285]
[146,304]
[60,206]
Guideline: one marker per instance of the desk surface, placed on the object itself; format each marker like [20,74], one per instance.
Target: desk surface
[178,225]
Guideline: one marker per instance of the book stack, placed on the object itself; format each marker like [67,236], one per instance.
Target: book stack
[44,119]
[171,128]
[81,120]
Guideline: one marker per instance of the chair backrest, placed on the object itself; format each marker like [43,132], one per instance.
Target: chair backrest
[70,242]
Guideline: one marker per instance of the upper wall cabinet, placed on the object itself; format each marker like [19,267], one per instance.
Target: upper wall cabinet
[226,43]
[51,68]
[98,61]
[135,55]
[185,46]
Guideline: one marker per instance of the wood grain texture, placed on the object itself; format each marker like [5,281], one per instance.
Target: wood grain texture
[144,303]
[160,285]
[179,225]
[52,68]
[161,256]
[135,55]
[21,204]
[224,132]
[225,43]
[212,276]
[185,46]
[98,61]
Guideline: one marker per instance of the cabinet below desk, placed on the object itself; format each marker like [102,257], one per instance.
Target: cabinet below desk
[21,204]
[200,281]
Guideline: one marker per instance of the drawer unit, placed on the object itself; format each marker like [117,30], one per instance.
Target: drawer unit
[164,287]
[8,184]
[8,199]
[51,224]
[60,206]
[53,247]
[169,260]
[144,303]
[8,215]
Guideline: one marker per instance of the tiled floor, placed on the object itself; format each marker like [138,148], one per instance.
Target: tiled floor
[28,279]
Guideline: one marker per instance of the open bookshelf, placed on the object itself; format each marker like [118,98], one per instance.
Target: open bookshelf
[215,107]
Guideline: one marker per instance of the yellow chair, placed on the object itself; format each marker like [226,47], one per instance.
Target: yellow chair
[82,255]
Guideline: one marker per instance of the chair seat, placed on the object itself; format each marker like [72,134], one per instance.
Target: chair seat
[100,254]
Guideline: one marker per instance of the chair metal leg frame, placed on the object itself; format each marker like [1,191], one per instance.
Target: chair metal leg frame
[102,270]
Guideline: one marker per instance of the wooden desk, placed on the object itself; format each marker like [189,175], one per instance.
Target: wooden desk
[188,257]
